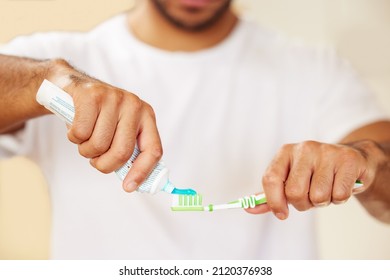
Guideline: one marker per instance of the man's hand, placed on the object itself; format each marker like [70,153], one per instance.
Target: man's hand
[313,174]
[108,123]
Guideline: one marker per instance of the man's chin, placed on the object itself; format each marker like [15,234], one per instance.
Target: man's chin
[191,18]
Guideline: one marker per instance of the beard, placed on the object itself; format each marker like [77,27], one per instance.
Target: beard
[200,26]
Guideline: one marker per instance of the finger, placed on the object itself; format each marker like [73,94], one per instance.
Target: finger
[298,183]
[358,187]
[103,132]
[322,185]
[348,171]
[86,113]
[259,209]
[273,183]
[149,144]
[122,145]
[344,182]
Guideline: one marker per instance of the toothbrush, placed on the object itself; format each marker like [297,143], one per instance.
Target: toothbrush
[61,104]
[194,202]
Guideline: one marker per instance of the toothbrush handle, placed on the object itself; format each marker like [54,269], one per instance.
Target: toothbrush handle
[245,202]
[358,184]
[250,201]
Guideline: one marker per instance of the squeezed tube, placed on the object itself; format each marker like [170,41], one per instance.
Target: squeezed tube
[61,104]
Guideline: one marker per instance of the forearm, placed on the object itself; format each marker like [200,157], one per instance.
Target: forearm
[20,79]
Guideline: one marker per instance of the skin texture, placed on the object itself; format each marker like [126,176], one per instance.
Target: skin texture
[302,175]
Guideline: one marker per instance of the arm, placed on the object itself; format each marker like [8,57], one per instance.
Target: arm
[313,174]
[108,121]
[20,78]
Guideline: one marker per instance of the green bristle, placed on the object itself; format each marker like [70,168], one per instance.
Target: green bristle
[188,203]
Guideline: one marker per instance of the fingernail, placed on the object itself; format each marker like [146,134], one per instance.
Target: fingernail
[131,186]
[281,216]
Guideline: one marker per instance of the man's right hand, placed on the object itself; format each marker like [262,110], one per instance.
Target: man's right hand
[108,121]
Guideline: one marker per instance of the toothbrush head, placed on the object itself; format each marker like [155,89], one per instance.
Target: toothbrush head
[187,203]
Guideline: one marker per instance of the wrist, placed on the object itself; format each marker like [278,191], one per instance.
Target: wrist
[377,161]
[375,198]
[59,72]
[65,76]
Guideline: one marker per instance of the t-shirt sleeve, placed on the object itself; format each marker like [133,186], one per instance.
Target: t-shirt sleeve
[16,143]
[44,45]
[347,102]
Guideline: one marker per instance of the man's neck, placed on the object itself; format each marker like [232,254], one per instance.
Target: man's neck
[149,26]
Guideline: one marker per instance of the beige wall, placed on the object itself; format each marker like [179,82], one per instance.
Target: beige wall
[24,211]
[358,28]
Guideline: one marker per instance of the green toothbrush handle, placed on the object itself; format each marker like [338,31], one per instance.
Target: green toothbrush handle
[254,200]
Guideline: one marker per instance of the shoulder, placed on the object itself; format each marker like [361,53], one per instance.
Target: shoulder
[284,50]
[43,45]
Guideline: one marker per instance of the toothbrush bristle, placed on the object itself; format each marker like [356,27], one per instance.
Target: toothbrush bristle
[187,203]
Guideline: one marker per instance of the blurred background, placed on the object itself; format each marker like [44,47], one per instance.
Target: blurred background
[359,29]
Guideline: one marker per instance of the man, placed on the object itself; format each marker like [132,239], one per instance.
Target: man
[227,96]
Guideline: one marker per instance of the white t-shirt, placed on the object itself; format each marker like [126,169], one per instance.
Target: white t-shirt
[222,114]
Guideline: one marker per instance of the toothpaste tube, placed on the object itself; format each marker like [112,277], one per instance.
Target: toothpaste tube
[60,103]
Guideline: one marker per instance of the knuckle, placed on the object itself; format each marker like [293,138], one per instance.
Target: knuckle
[269,179]
[99,146]
[318,197]
[150,111]
[302,207]
[308,146]
[323,180]
[340,198]
[349,163]
[91,92]
[348,154]
[117,97]
[328,152]
[121,155]
[319,191]
[134,102]
[96,93]
[286,148]
[156,152]
[83,152]
[342,192]
[103,168]
[78,135]
[294,193]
